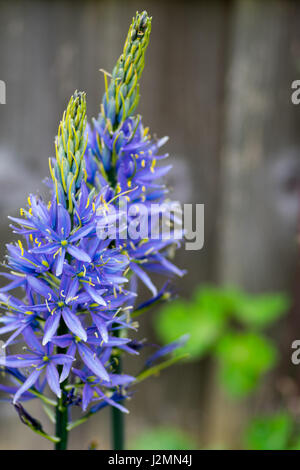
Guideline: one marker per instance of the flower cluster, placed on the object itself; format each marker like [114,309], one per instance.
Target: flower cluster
[121,153]
[77,309]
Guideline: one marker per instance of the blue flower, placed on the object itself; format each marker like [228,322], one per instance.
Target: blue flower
[92,389]
[59,303]
[18,317]
[16,377]
[132,155]
[62,241]
[40,360]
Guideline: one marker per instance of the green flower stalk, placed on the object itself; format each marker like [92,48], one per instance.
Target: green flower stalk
[121,96]
[70,145]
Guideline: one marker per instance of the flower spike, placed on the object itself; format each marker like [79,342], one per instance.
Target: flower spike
[122,95]
[70,145]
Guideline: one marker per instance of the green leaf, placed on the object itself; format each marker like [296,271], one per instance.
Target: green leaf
[207,317]
[261,310]
[204,325]
[244,358]
[269,433]
[296,444]
[218,299]
[163,439]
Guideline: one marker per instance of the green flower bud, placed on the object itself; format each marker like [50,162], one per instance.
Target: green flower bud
[70,145]
[122,94]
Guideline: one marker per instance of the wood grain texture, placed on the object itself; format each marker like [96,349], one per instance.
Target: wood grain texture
[217,81]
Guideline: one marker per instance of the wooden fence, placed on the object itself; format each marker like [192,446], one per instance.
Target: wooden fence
[218,81]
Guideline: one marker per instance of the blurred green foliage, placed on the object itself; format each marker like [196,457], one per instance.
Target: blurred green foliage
[226,323]
[273,432]
[163,438]
[276,431]
[244,358]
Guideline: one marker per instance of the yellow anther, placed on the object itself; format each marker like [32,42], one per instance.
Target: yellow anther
[21,247]
[153,165]
[48,308]
[58,251]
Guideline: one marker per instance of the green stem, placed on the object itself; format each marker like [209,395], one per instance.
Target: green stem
[61,424]
[61,407]
[117,419]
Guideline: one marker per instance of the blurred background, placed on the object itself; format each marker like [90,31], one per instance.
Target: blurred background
[217,81]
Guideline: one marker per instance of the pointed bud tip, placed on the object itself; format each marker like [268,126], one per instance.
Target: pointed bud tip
[141,23]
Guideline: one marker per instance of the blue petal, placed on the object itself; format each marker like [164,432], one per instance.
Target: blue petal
[63,341]
[63,222]
[74,324]
[67,367]
[60,262]
[101,326]
[93,363]
[119,380]
[61,359]
[78,253]
[72,291]
[51,326]
[87,395]
[144,278]
[112,402]
[18,361]
[14,335]
[27,384]
[32,340]
[49,248]
[41,287]
[53,379]
[95,295]
[81,233]
[167,349]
